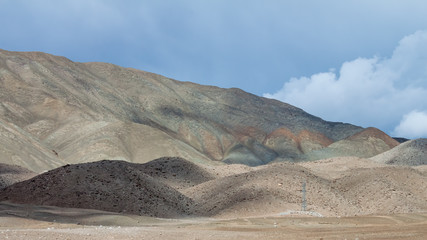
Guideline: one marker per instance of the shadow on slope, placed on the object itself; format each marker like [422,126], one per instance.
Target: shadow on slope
[115,186]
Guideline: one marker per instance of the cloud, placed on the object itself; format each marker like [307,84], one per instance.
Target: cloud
[413,125]
[367,91]
[246,44]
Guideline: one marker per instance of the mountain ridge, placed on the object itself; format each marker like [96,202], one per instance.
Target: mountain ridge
[84,112]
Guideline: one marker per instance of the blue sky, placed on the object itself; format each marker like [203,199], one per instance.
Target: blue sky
[362,62]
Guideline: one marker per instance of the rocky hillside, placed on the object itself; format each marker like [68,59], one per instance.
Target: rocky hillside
[174,187]
[410,153]
[10,174]
[54,111]
[115,186]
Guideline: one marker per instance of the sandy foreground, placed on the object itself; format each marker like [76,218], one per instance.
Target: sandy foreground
[42,222]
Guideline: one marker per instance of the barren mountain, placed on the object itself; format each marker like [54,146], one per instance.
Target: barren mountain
[174,187]
[410,153]
[54,111]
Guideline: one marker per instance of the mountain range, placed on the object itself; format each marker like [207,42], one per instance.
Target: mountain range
[99,136]
[54,111]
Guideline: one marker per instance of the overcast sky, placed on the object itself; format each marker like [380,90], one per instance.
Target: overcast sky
[362,62]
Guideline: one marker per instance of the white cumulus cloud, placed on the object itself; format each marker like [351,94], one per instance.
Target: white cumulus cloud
[413,125]
[368,91]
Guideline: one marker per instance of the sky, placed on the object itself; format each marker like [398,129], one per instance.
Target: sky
[358,61]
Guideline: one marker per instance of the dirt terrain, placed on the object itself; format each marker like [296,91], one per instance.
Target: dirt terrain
[30,222]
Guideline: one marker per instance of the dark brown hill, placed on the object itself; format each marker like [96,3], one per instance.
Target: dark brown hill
[115,186]
[175,172]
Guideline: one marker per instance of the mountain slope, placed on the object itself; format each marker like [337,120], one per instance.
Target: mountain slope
[410,153]
[10,174]
[367,143]
[174,187]
[81,112]
[115,186]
